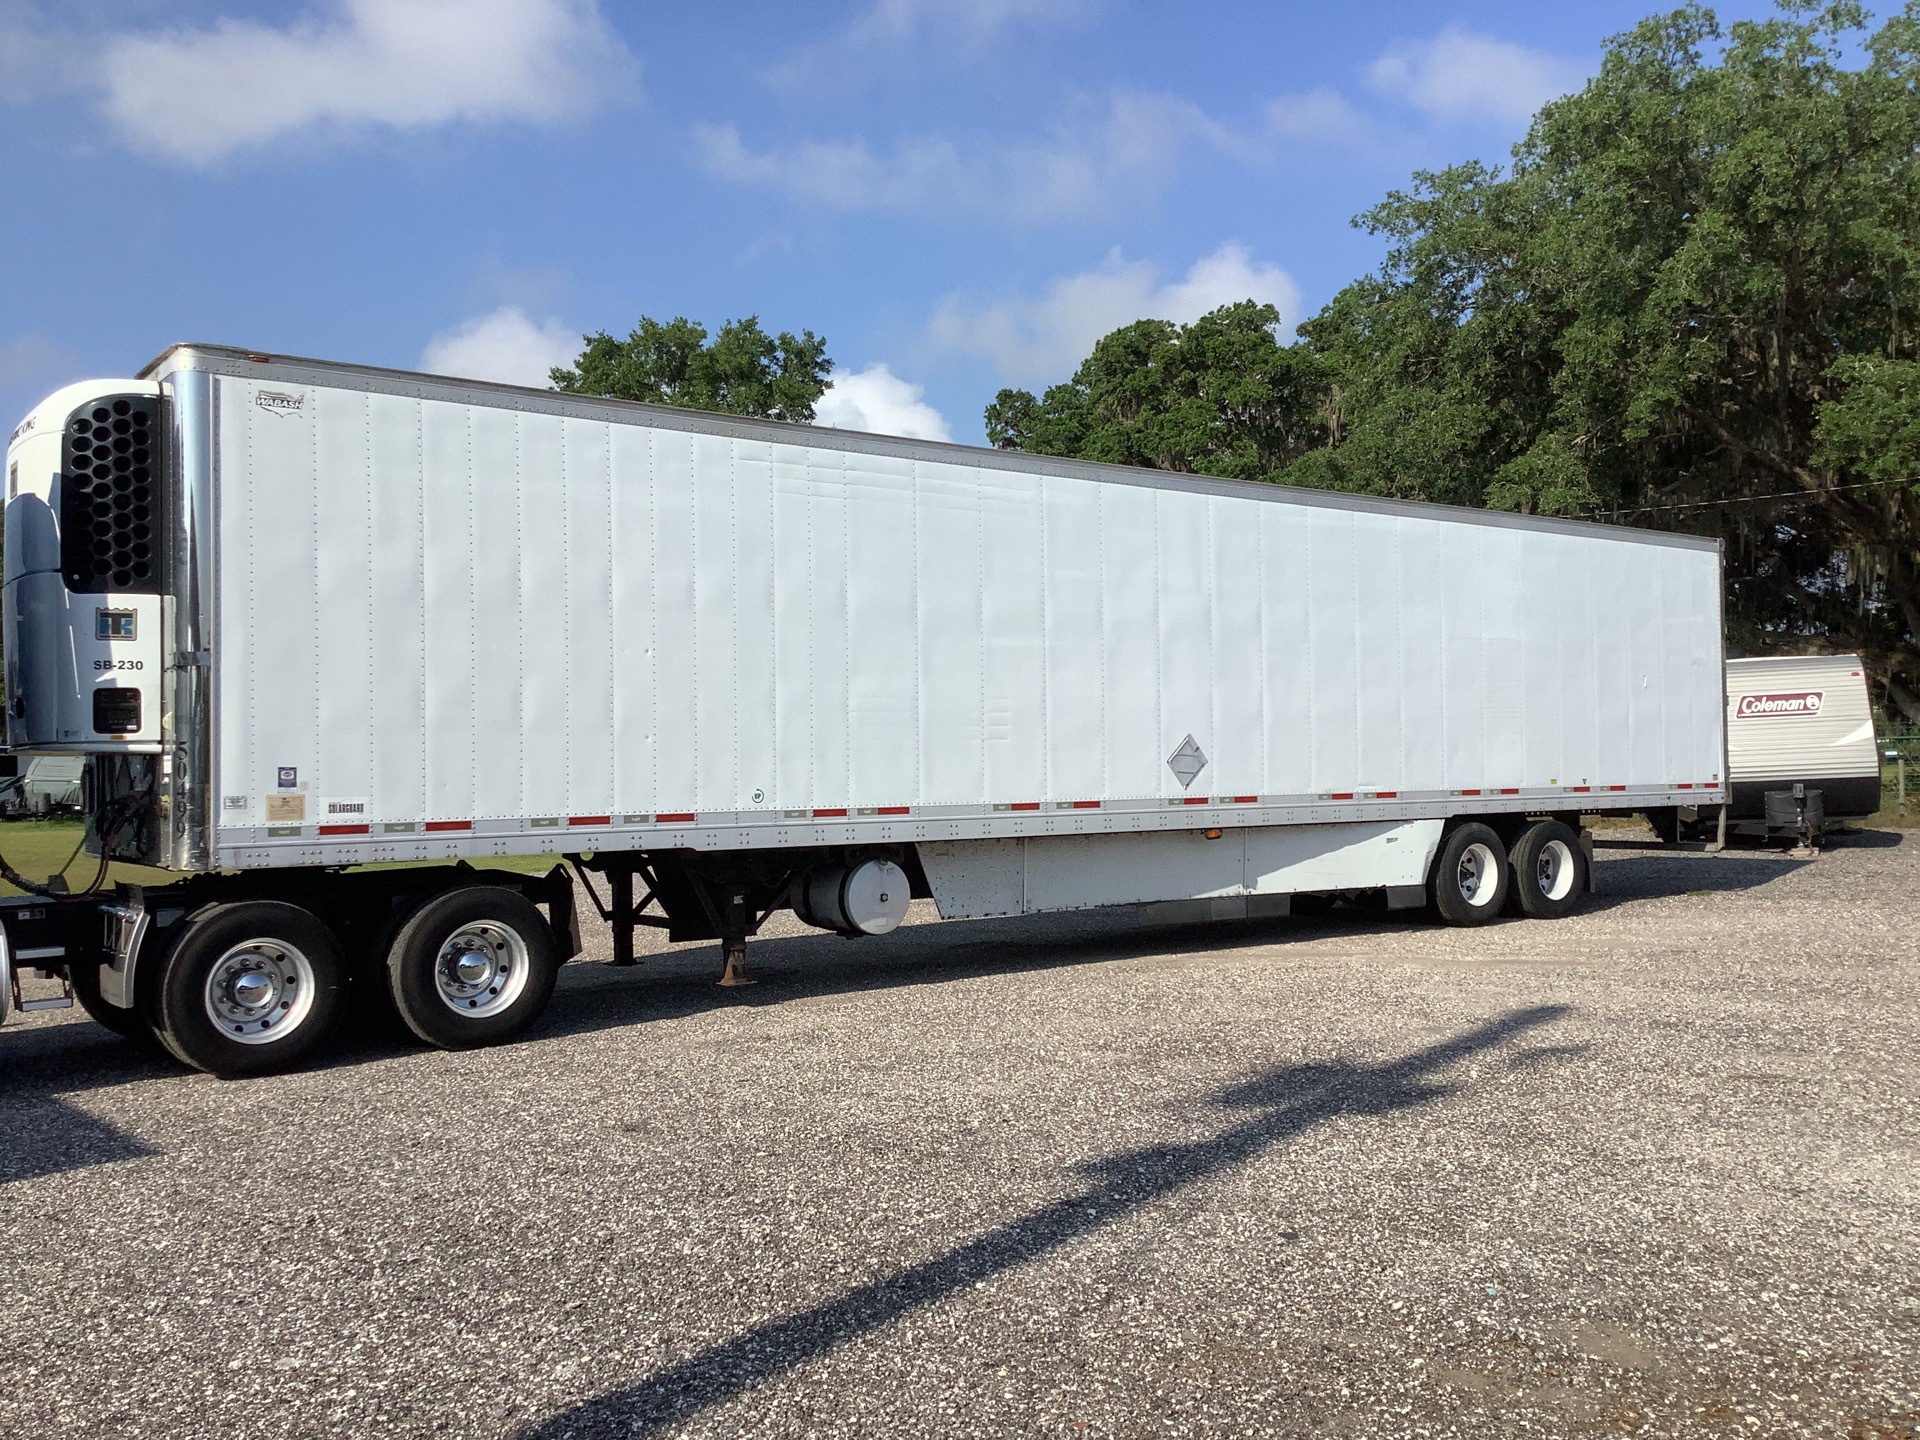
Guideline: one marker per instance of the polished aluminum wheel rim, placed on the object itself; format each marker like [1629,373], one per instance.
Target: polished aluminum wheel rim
[481,968]
[1553,870]
[259,991]
[1478,875]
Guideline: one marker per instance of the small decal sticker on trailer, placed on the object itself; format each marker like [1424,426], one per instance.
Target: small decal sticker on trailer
[354,808]
[235,802]
[289,777]
[286,809]
[280,402]
[115,625]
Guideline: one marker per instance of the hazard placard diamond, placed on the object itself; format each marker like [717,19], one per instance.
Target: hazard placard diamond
[1186,762]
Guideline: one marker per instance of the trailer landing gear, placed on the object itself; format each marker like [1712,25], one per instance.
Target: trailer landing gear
[699,903]
[730,908]
[621,916]
[733,970]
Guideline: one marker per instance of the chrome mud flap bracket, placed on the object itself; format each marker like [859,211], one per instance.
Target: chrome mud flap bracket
[126,926]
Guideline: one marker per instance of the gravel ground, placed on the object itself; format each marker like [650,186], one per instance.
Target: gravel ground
[1648,1171]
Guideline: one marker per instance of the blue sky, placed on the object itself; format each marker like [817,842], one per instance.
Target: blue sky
[957,195]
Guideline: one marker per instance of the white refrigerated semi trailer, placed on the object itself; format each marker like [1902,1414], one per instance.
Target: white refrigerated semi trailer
[303,616]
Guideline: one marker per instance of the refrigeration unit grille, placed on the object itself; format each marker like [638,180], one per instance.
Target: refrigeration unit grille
[112,470]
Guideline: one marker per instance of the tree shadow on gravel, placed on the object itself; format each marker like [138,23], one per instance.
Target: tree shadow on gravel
[41,1136]
[39,1133]
[1283,1104]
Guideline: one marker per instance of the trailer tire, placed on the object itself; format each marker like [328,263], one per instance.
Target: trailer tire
[1549,871]
[247,988]
[1470,876]
[473,966]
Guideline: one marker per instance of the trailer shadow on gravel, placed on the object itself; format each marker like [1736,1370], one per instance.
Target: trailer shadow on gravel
[1865,839]
[677,982]
[674,982]
[1634,876]
[1263,1112]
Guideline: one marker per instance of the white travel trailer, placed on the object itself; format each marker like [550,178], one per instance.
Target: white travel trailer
[45,785]
[304,616]
[1801,720]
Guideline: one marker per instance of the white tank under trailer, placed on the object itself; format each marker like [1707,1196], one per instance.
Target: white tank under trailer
[757,664]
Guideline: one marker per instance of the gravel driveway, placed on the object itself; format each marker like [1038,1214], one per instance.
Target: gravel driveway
[1648,1171]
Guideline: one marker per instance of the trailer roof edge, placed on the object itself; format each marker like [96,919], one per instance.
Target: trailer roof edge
[255,364]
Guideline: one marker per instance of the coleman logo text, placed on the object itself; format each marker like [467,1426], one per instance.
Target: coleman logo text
[1753,707]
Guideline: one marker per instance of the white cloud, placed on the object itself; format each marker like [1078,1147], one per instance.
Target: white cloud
[35,59]
[1039,340]
[1092,163]
[199,95]
[842,175]
[891,32]
[1321,117]
[506,346]
[877,400]
[1459,75]
[977,19]
[974,16]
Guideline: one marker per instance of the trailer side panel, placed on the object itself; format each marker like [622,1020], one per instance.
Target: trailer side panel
[475,628]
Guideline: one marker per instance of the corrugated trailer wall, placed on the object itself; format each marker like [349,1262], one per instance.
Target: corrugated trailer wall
[456,614]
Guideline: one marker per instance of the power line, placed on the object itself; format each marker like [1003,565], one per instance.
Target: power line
[1802,495]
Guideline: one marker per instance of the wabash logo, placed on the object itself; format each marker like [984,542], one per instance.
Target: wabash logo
[1754,707]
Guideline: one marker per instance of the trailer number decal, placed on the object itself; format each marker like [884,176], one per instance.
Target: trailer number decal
[1806,702]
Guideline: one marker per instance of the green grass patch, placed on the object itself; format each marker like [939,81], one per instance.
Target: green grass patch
[39,848]
[519,864]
